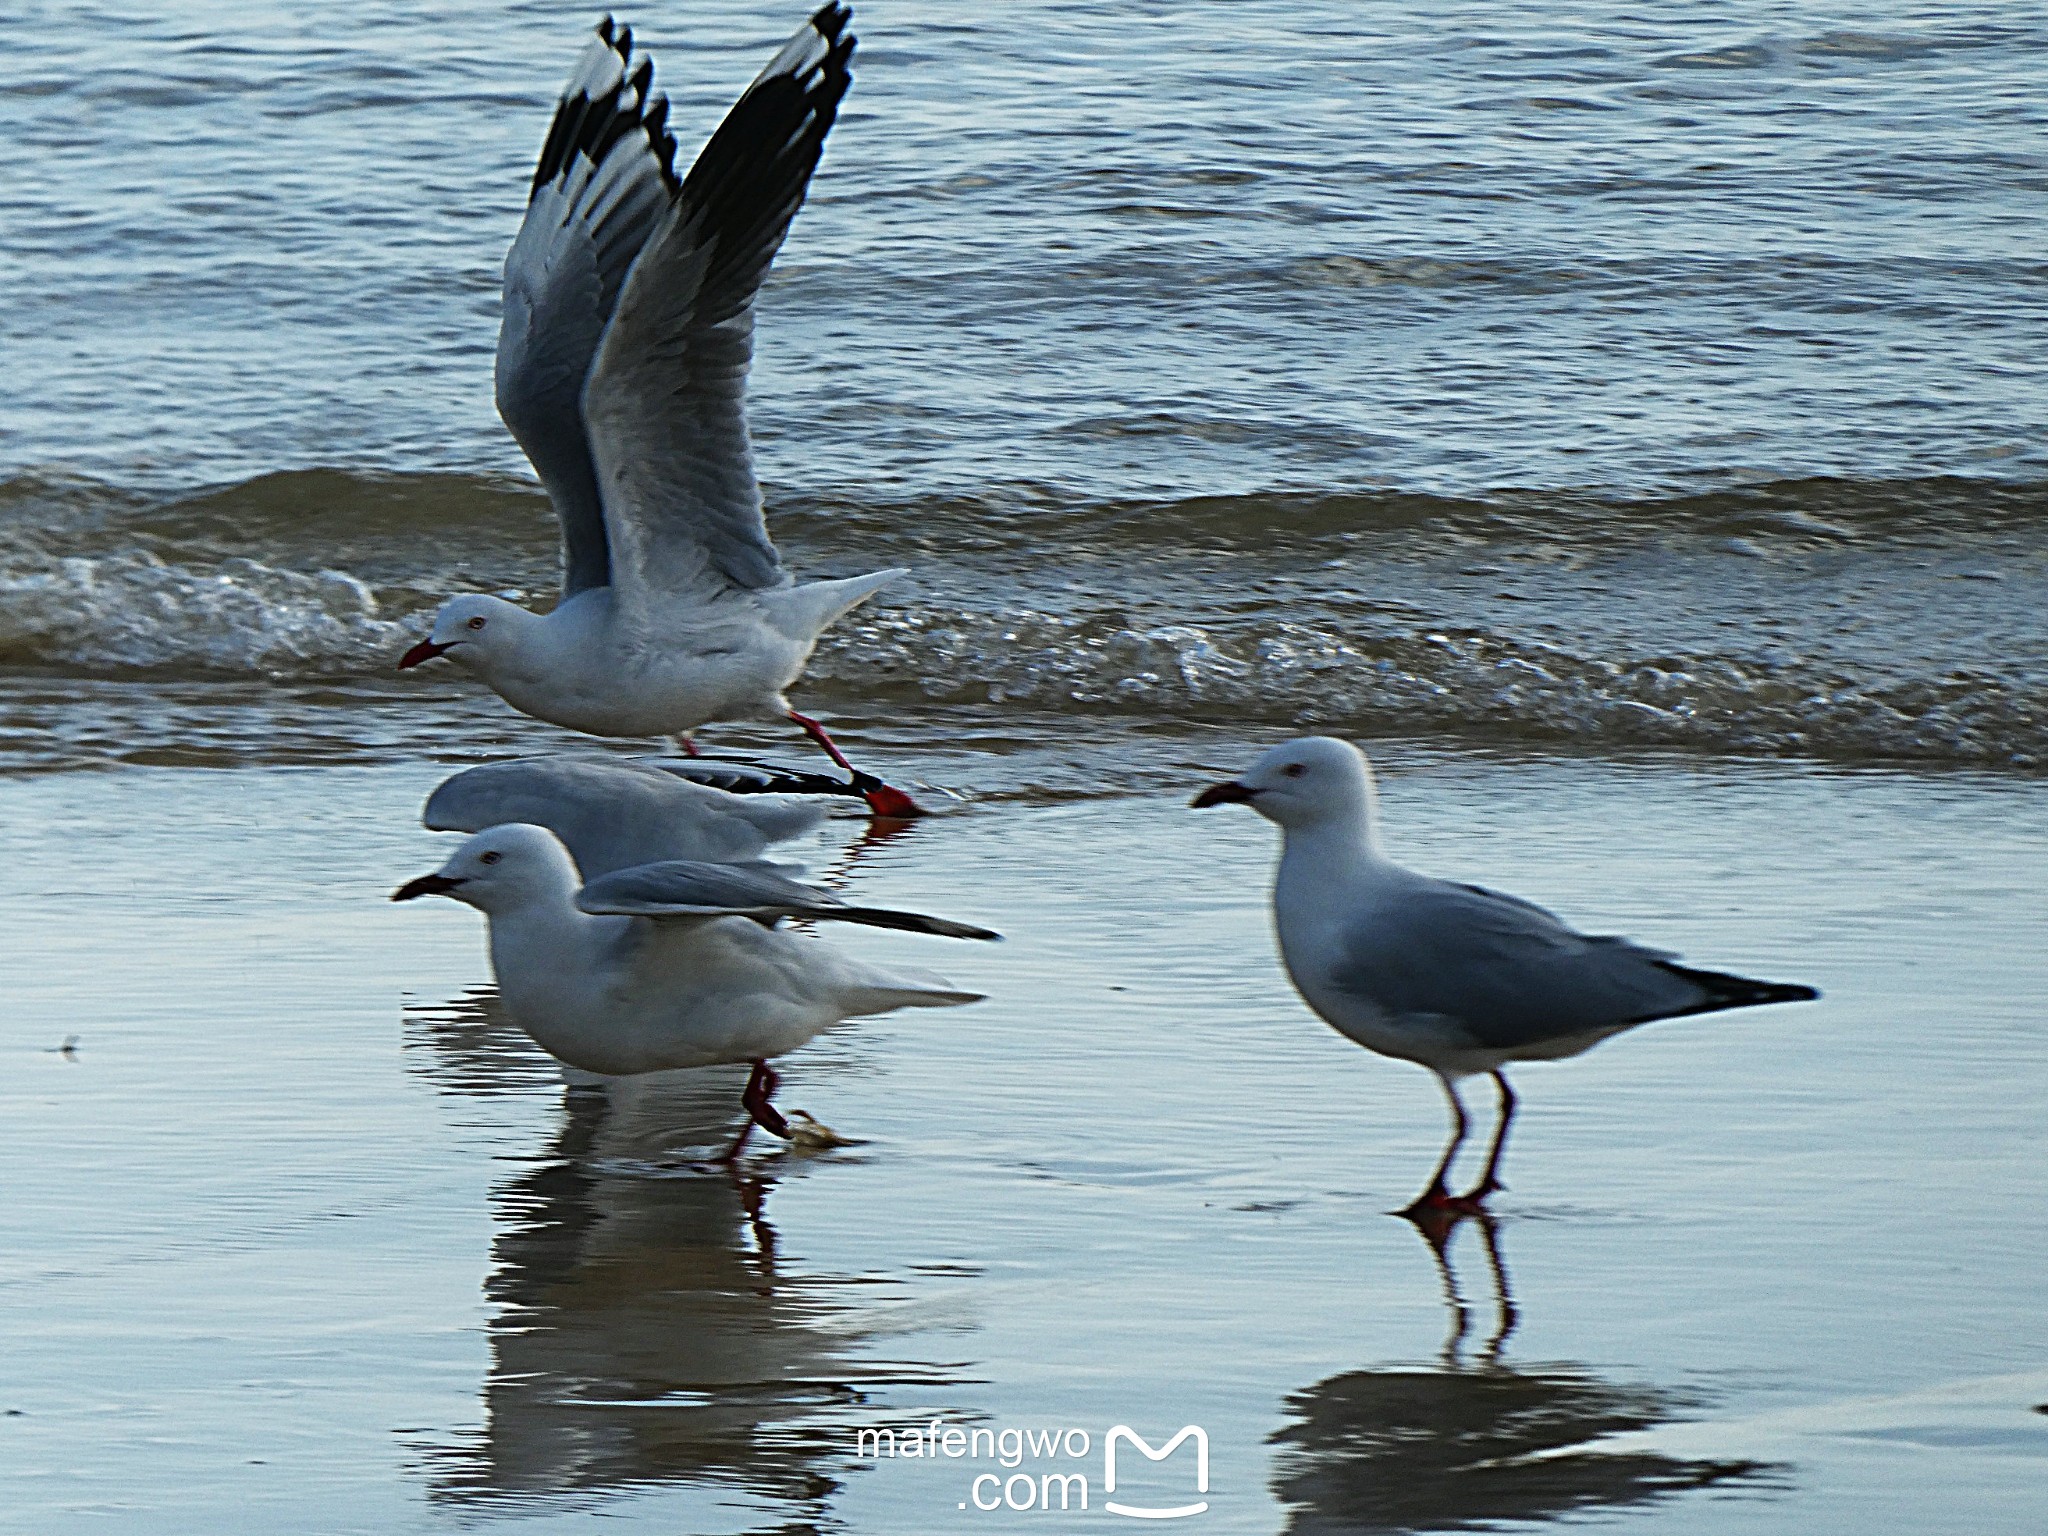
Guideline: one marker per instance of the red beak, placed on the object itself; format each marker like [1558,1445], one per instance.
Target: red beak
[1232,793]
[426,650]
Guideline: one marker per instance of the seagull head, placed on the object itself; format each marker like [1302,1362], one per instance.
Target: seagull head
[472,628]
[501,868]
[1316,781]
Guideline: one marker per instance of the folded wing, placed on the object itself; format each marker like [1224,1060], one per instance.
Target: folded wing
[665,402]
[683,889]
[1506,972]
[605,181]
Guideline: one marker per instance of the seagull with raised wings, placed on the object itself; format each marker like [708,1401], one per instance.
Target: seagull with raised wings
[622,362]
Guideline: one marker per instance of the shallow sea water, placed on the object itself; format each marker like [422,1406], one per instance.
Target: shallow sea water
[302,1224]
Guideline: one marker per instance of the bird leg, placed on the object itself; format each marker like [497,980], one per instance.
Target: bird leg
[1489,1182]
[761,1086]
[882,799]
[688,744]
[1438,1196]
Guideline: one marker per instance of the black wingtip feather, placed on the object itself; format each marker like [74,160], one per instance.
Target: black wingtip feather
[594,128]
[911,922]
[830,20]
[1726,991]
[752,176]
[752,778]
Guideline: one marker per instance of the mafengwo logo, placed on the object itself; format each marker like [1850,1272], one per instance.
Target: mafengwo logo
[1060,1466]
[1131,1437]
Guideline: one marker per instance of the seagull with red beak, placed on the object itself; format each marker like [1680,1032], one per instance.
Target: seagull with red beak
[1455,978]
[675,963]
[622,360]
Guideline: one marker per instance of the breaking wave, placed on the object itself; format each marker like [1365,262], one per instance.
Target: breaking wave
[136,612]
[1837,619]
[1462,682]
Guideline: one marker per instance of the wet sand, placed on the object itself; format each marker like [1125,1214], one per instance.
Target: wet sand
[301,1225]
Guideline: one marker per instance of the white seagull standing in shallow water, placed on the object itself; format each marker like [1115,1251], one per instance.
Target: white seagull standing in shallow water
[1455,977]
[673,964]
[622,365]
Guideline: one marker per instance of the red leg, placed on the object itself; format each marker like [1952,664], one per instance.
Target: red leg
[1437,1197]
[816,732]
[1489,1182]
[761,1086]
[881,798]
[688,744]
[760,1089]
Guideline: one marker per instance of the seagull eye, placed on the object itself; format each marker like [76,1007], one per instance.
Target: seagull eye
[476,623]
[489,858]
[1294,770]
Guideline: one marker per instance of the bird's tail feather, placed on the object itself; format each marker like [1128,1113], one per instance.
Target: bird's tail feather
[930,997]
[810,608]
[885,991]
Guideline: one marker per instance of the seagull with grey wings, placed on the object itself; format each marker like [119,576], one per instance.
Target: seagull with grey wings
[613,813]
[623,348]
[673,963]
[1457,978]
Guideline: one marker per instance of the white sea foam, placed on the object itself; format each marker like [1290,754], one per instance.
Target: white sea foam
[135,611]
[1904,626]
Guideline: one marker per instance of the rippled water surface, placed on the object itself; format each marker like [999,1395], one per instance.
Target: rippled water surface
[1103,250]
[1633,417]
[1610,378]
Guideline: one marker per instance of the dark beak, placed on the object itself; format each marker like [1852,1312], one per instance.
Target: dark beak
[426,650]
[426,885]
[1232,793]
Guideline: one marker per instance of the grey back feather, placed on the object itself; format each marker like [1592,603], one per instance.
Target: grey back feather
[1508,973]
[613,813]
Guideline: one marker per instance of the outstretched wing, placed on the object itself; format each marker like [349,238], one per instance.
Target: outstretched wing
[605,180]
[1506,972]
[665,402]
[679,888]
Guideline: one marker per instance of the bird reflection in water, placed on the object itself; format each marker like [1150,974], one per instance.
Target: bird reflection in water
[1438,1228]
[1474,1442]
[645,1332]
